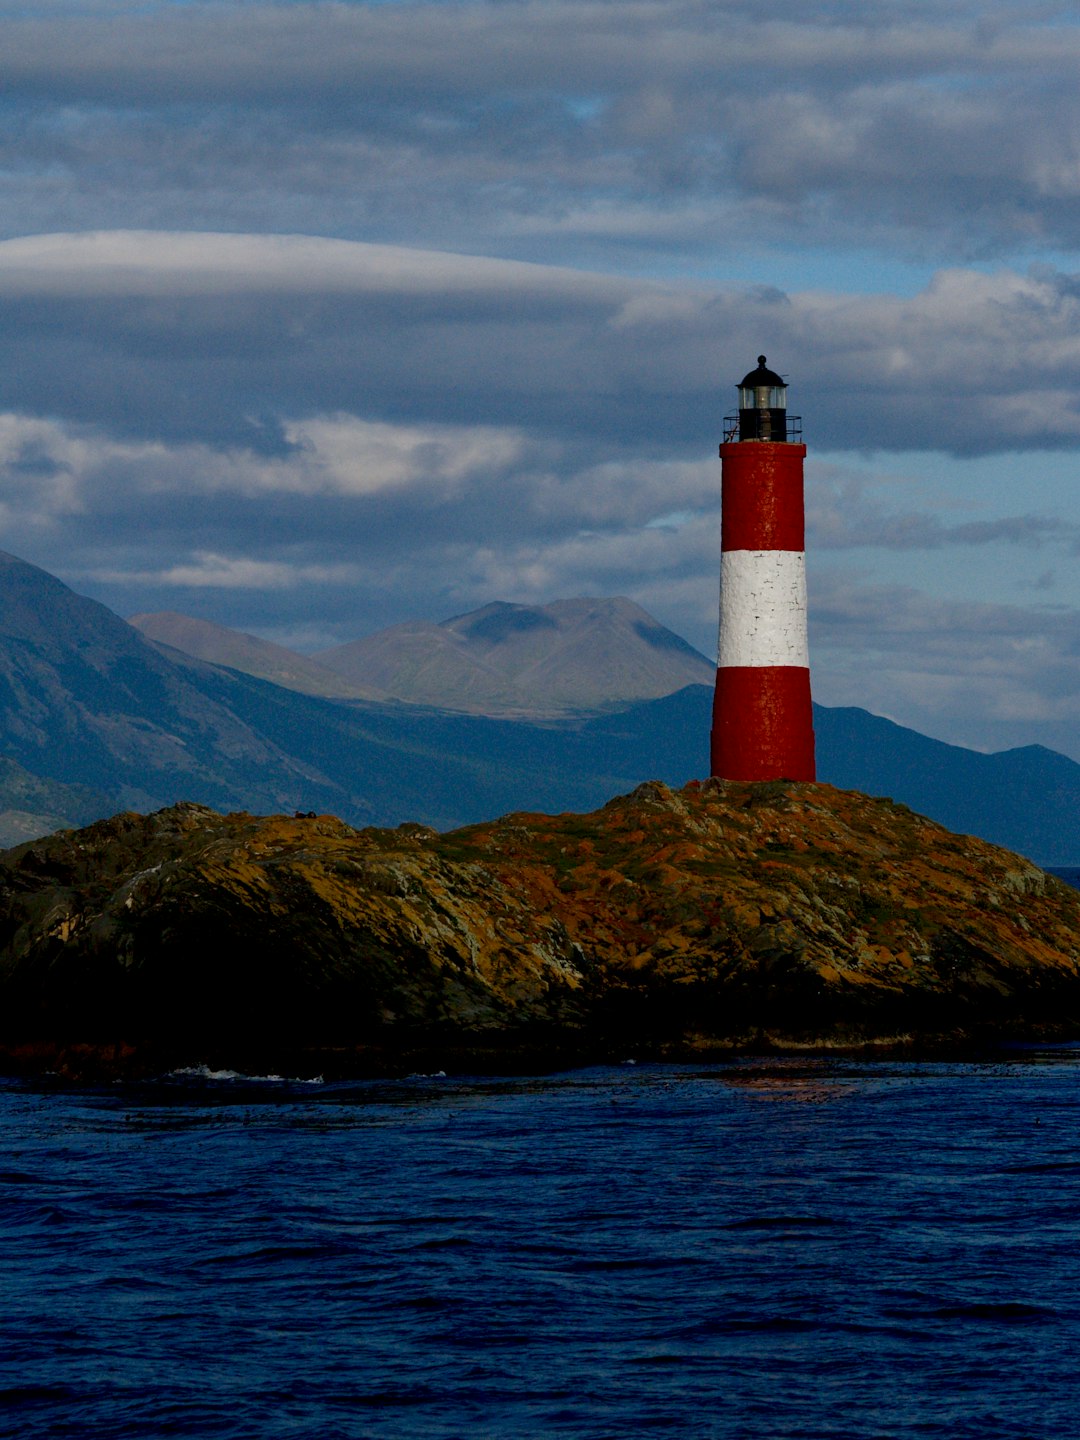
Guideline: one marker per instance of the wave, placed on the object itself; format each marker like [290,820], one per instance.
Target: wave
[203,1072]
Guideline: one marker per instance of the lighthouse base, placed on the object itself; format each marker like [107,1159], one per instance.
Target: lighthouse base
[763,726]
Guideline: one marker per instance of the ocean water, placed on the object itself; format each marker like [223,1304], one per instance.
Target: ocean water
[769,1248]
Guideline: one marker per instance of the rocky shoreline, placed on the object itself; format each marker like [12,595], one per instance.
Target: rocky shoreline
[106,1063]
[679,925]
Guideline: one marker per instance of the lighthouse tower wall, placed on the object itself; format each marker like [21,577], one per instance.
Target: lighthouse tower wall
[762,714]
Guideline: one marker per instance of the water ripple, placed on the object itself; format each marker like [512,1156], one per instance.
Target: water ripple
[627,1251]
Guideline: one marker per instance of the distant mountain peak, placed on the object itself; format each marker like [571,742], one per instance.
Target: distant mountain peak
[500,622]
[570,656]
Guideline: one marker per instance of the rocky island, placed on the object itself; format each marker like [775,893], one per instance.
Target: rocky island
[668,923]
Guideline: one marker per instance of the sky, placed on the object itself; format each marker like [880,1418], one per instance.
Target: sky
[317,317]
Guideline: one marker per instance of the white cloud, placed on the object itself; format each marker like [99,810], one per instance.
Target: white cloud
[209,571]
[343,455]
[182,264]
[41,464]
[48,470]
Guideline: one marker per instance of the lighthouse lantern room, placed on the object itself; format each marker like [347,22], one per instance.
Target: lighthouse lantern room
[762,405]
[762,713]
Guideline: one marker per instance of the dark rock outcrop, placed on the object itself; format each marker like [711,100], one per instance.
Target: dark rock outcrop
[665,923]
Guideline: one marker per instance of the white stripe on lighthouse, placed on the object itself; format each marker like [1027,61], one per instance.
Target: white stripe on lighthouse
[763,608]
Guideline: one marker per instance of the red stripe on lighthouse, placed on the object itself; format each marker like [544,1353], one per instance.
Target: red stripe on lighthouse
[763,726]
[762,715]
[762,496]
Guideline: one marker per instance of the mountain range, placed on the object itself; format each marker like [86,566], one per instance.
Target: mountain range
[96,717]
[519,661]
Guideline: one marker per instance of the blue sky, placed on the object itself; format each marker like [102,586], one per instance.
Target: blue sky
[317,317]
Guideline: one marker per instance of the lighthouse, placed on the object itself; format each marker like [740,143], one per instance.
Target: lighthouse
[762,725]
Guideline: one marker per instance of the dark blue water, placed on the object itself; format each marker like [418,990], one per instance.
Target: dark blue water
[775,1250]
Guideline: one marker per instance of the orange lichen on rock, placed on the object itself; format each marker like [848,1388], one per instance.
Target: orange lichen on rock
[723,910]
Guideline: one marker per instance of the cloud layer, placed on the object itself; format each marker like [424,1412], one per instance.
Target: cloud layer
[224,338]
[551,128]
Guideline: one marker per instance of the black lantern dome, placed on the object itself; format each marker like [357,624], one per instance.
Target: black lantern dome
[762,376]
[763,405]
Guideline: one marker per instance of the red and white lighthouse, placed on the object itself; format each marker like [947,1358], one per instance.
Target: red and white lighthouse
[763,725]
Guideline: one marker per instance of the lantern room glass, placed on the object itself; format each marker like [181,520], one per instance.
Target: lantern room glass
[763,397]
